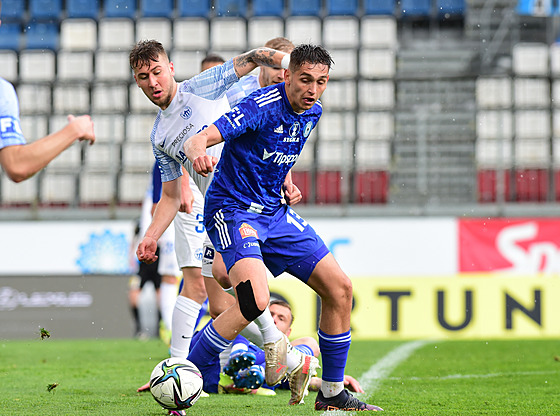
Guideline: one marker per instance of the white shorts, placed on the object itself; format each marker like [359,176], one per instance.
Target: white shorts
[208,258]
[190,233]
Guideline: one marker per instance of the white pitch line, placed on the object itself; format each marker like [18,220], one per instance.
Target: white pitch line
[465,376]
[379,371]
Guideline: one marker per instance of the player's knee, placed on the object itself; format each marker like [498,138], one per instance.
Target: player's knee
[340,289]
[250,307]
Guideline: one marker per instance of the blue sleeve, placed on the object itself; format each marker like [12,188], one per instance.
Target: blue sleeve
[156,184]
[243,117]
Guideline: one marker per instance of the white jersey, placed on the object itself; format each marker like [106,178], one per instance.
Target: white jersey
[10,130]
[242,89]
[198,103]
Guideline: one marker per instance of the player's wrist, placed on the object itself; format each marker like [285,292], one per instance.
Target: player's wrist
[285,62]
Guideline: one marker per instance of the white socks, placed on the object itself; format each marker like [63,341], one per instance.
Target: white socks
[331,388]
[185,315]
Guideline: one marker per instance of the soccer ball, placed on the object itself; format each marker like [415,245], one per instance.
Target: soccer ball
[176,383]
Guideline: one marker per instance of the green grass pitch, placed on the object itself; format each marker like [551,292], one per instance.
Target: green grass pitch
[100,377]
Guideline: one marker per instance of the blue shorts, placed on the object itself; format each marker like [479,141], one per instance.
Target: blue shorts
[284,241]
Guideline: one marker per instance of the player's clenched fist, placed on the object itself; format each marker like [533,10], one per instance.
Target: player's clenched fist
[83,126]
[204,164]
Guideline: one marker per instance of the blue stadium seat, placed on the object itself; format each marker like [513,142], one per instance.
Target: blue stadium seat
[379,7]
[156,8]
[82,9]
[231,8]
[268,8]
[342,7]
[13,11]
[10,36]
[305,7]
[415,8]
[194,8]
[40,35]
[42,10]
[120,8]
[451,7]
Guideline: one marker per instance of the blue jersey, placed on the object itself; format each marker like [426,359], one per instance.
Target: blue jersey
[10,129]
[263,140]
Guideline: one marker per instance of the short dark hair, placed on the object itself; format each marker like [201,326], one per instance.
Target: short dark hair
[212,58]
[285,304]
[312,54]
[146,51]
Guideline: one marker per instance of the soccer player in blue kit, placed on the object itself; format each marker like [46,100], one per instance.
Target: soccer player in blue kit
[253,230]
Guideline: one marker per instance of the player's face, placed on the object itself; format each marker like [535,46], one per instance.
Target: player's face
[270,76]
[157,82]
[306,85]
[282,318]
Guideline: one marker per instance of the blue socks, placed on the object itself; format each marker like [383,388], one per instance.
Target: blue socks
[334,353]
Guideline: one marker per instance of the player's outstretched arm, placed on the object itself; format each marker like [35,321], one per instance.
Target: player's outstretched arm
[23,161]
[246,62]
[195,149]
[166,210]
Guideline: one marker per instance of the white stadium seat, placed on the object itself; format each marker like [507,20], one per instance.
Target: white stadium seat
[116,34]
[341,32]
[34,98]
[9,67]
[186,63]
[373,154]
[532,124]
[112,66]
[36,65]
[262,29]
[34,126]
[138,100]
[96,187]
[337,126]
[154,28]
[74,65]
[376,95]
[78,34]
[137,156]
[335,154]
[58,187]
[493,92]
[345,63]
[377,63]
[191,34]
[340,95]
[494,124]
[139,127]
[530,59]
[228,33]
[109,128]
[71,98]
[493,154]
[19,193]
[132,186]
[531,92]
[109,97]
[376,126]
[301,29]
[379,32]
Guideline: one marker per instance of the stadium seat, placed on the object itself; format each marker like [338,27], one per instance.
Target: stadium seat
[531,185]
[376,94]
[137,156]
[58,188]
[97,188]
[109,98]
[24,193]
[262,29]
[228,33]
[371,186]
[88,9]
[415,8]
[377,63]
[138,101]
[9,67]
[341,32]
[74,65]
[42,36]
[494,124]
[376,125]
[531,92]
[156,8]
[336,126]
[379,32]
[493,92]
[301,29]
[487,180]
[35,126]
[112,66]
[71,98]
[532,124]
[530,59]
[13,11]
[233,8]
[342,7]
[103,158]
[116,34]
[34,98]
[346,64]
[328,186]
[109,128]
[194,8]
[187,63]
[268,8]
[305,8]
[10,36]
[340,95]
[78,34]
[138,127]
[373,154]
[132,187]
[154,28]
[30,60]
[379,7]
[42,10]
[450,8]
[191,33]
[532,153]
[303,180]
[120,8]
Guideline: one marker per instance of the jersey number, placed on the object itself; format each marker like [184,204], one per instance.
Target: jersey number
[295,220]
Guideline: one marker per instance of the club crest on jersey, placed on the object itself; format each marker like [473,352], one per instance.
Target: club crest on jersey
[247,231]
[294,129]
[186,113]
[307,129]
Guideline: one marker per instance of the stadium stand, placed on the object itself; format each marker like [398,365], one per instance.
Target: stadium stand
[412,115]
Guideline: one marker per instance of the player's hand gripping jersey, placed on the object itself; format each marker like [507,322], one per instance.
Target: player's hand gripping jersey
[197,104]
[269,137]
[10,130]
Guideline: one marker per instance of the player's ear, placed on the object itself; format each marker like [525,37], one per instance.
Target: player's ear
[172,68]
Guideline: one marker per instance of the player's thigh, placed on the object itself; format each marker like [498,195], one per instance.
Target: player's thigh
[328,279]
[189,239]
[248,276]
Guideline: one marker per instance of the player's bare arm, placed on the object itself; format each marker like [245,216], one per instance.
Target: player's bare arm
[245,63]
[195,149]
[166,210]
[22,162]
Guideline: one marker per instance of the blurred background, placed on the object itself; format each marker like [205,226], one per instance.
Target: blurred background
[438,153]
